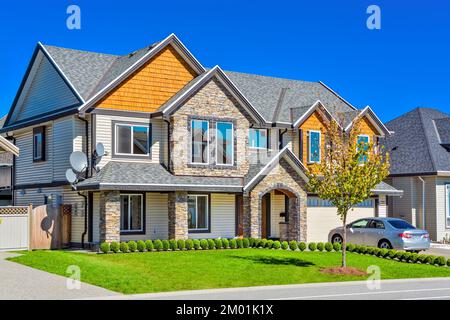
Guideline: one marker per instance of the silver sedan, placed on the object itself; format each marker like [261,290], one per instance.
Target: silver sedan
[388,233]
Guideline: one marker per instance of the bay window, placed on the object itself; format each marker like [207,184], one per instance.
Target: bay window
[224,143]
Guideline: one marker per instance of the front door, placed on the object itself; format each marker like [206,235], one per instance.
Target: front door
[265,216]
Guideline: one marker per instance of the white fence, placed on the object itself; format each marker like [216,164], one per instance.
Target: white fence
[14,228]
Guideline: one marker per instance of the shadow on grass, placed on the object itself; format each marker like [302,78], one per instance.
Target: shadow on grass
[277,261]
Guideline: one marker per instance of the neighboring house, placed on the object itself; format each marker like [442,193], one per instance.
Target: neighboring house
[191,152]
[7,151]
[420,166]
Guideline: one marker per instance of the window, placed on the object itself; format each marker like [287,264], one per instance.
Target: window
[400,224]
[224,143]
[39,144]
[257,138]
[363,139]
[131,213]
[132,140]
[359,224]
[376,224]
[447,198]
[198,213]
[314,146]
[200,141]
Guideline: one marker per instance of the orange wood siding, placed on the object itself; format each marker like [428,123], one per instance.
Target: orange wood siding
[317,123]
[368,128]
[152,85]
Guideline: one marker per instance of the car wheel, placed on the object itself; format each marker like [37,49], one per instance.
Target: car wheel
[336,239]
[384,244]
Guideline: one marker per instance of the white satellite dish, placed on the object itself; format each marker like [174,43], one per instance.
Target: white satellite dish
[78,161]
[71,176]
[99,150]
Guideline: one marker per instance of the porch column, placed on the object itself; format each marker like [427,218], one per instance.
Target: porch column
[178,215]
[252,213]
[382,206]
[109,216]
[297,219]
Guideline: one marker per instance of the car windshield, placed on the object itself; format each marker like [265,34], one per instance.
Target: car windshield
[400,224]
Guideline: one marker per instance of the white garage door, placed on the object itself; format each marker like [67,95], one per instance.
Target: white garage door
[322,219]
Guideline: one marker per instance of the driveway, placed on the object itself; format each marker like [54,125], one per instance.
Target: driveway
[19,282]
[408,289]
[439,250]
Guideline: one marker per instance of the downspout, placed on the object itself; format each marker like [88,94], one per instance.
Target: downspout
[85,218]
[423,202]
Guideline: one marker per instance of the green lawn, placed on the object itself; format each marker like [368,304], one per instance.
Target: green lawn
[188,270]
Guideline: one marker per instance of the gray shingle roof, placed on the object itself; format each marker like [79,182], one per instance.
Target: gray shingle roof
[386,189]
[154,177]
[415,147]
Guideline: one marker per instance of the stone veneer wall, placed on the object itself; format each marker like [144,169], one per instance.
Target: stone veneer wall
[178,214]
[282,177]
[109,216]
[214,103]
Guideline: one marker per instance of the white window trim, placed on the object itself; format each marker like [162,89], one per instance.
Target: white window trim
[309,146]
[232,144]
[365,135]
[129,212]
[116,139]
[192,145]
[447,206]
[196,196]
[267,139]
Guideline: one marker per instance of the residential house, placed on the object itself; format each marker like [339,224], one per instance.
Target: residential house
[191,152]
[7,152]
[420,166]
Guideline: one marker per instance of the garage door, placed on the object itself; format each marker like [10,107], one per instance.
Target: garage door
[14,228]
[321,218]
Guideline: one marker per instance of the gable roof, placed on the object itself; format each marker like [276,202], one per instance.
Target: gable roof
[415,148]
[373,118]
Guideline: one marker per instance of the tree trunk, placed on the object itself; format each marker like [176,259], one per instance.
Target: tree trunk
[344,241]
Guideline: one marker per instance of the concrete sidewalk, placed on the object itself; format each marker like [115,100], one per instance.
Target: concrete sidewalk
[19,282]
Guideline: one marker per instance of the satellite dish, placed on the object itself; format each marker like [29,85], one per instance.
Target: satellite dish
[99,150]
[78,161]
[71,176]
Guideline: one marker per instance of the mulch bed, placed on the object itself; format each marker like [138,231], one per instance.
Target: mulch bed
[348,271]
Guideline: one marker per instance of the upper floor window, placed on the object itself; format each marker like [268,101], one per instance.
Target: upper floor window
[200,141]
[39,144]
[257,138]
[132,140]
[224,143]
[314,152]
[364,140]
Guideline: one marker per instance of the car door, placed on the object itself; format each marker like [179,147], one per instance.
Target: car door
[373,233]
[355,232]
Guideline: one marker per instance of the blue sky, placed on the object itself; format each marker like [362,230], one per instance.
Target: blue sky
[404,65]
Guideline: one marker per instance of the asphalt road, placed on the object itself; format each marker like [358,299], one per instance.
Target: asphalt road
[412,289]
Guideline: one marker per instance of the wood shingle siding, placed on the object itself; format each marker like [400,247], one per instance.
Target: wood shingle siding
[152,85]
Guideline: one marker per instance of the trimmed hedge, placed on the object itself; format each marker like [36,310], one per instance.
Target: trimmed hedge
[233,244]
[132,246]
[312,246]
[302,246]
[158,245]
[173,245]
[293,245]
[329,246]
[204,244]
[284,245]
[276,245]
[149,245]
[211,244]
[196,244]
[165,245]
[181,244]
[225,243]
[337,246]
[140,246]
[189,244]
[115,247]
[320,246]
[104,247]
[218,243]
[124,247]
[246,243]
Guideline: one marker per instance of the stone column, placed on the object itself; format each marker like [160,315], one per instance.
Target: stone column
[178,215]
[109,216]
[382,207]
[252,215]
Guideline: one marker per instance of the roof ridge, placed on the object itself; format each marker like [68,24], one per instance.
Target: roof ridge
[271,77]
[433,162]
[82,51]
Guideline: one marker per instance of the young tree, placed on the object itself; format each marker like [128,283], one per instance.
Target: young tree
[348,171]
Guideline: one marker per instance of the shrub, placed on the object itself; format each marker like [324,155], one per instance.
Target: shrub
[189,244]
[293,245]
[196,244]
[165,245]
[320,246]
[104,247]
[181,244]
[384,253]
[240,243]
[448,262]
[422,258]
[337,246]
[312,246]
[440,261]
[204,244]
[114,246]
[256,243]
[429,259]
[276,245]
[140,246]
[357,248]
[158,245]
[406,256]
[149,245]
[262,243]
[328,246]
[218,243]
[225,243]
[284,245]
[377,252]
[269,244]
[124,247]
[246,242]
[350,247]
[414,257]
[132,246]
[392,253]
[370,250]
[233,244]
[173,245]
[363,249]
[251,242]
[302,246]
[211,244]
[399,255]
